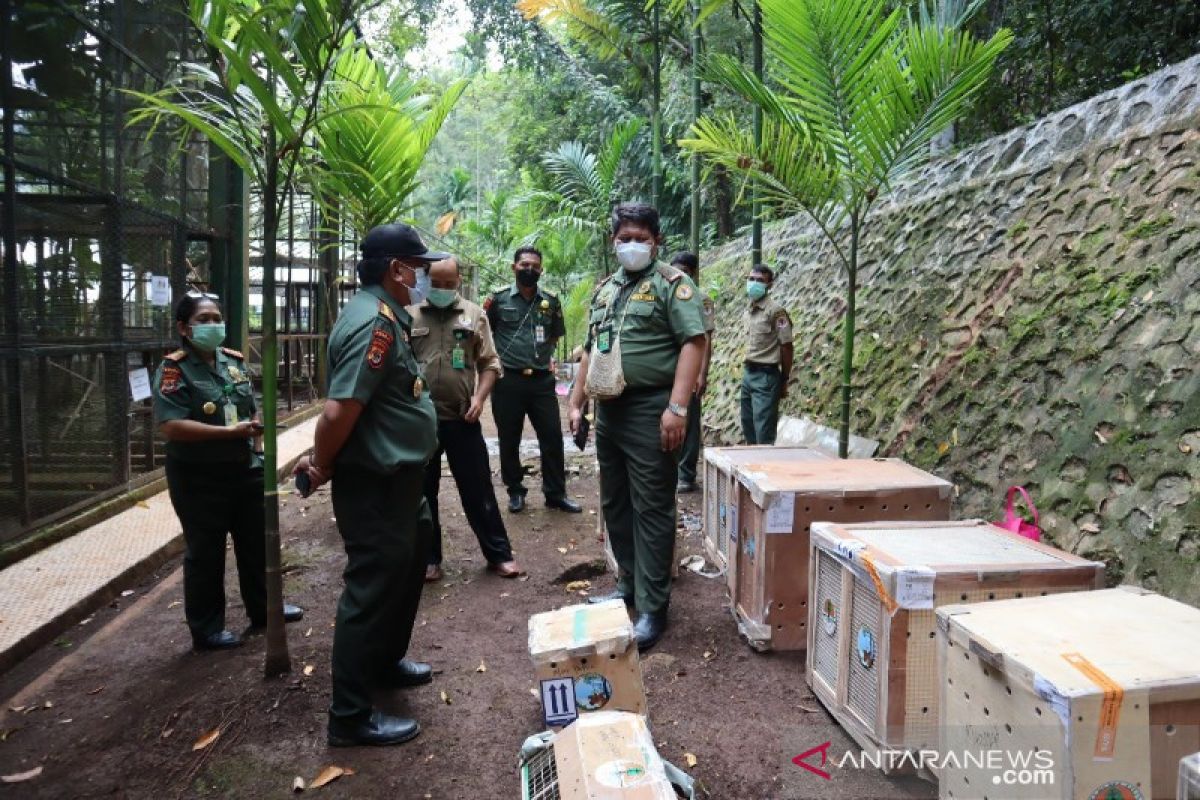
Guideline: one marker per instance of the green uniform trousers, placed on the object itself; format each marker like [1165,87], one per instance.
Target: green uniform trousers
[760,403]
[387,531]
[689,453]
[514,397]
[213,501]
[637,493]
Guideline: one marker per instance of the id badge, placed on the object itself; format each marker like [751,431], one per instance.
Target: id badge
[458,359]
[231,415]
[604,338]
[539,334]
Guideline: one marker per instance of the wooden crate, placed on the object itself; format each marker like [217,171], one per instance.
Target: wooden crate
[1189,778]
[872,652]
[781,501]
[1105,685]
[721,489]
[585,659]
[608,755]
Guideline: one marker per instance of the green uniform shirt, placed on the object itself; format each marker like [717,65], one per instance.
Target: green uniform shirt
[767,327]
[652,313]
[186,387]
[525,330]
[370,361]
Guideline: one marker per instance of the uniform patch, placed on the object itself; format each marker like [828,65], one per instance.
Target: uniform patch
[381,342]
[645,287]
[237,375]
[683,292]
[782,321]
[709,306]
[171,376]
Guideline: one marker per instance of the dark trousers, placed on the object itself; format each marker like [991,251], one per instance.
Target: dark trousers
[760,403]
[637,492]
[689,453]
[211,501]
[515,397]
[462,442]
[386,529]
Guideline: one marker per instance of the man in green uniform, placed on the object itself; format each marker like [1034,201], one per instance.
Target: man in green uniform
[652,317]
[527,322]
[376,434]
[768,364]
[453,341]
[689,455]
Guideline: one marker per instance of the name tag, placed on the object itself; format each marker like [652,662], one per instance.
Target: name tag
[604,338]
[231,415]
[539,334]
[643,298]
[458,359]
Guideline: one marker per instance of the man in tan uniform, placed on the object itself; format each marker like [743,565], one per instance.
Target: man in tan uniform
[768,362]
[452,340]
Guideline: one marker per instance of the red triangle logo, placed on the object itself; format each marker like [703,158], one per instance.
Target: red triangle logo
[823,749]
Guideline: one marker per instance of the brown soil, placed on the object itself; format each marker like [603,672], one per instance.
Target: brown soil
[119,702]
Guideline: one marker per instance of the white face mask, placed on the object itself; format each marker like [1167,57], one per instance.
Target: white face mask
[418,292]
[633,256]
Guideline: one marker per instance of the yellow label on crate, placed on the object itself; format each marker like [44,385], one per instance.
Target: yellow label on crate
[1110,708]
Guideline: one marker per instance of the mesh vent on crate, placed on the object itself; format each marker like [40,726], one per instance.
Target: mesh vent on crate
[722,515]
[863,667]
[540,777]
[829,612]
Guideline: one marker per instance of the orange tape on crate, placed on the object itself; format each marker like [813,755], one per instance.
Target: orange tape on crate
[890,604]
[1110,708]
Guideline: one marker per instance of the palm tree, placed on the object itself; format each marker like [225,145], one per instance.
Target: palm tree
[370,152]
[858,93]
[258,101]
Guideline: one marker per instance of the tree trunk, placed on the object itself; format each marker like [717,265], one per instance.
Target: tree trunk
[848,343]
[656,110]
[723,202]
[696,45]
[756,242]
[278,661]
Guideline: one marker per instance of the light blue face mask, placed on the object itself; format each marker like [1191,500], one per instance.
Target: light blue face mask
[418,293]
[443,298]
[208,336]
[756,290]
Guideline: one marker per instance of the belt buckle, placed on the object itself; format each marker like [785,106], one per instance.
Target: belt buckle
[527,372]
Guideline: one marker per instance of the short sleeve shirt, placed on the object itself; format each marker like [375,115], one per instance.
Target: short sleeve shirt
[525,330]
[652,313]
[768,326]
[452,345]
[186,387]
[371,361]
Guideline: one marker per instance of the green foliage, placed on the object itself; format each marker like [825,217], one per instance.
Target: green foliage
[1151,227]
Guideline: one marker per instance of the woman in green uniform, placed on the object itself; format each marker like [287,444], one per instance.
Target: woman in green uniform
[204,404]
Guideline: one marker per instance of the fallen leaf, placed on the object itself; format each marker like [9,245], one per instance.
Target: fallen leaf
[943,448]
[1090,527]
[506,594]
[207,739]
[482,666]
[174,604]
[298,784]
[308,633]
[445,698]
[16,709]
[126,593]
[328,775]
[18,777]
[562,550]
[1185,448]
[308,669]
[48,704]
[689,759]
[142,504]
[708,654]
[954,437]
[1100,436]
[576,586]
[97,690]
[165,734]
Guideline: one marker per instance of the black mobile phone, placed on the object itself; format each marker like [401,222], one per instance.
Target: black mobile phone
[303,484]
[581,435]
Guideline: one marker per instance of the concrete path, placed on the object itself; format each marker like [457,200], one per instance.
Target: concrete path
[43,594]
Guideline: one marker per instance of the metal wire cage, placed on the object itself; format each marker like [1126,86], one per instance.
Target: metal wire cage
[539,776]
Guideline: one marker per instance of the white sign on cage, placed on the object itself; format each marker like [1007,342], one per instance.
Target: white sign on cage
[160,290]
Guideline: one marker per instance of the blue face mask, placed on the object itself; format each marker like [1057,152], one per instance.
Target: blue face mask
[756,290]
[207,336]
[443,298]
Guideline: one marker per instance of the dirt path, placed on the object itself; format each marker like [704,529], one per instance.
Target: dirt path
[113,708]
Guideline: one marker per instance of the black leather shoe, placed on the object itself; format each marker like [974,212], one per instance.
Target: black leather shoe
[604,598]
[516,503]
[409,673]
[223,640]
[377,730]
[292,613]
[648,629]
[563,504]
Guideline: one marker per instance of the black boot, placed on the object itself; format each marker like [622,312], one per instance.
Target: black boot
[516,503]
[408,673]
[564,504]
[221,640]
[379,729]
[648,629]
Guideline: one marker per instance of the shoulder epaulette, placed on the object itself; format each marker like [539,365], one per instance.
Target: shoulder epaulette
[386,311]
[672,274]
[497,290]
[601,285]
[178,355]
[229,351]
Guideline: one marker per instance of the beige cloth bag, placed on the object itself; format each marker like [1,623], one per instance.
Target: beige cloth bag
[606,375]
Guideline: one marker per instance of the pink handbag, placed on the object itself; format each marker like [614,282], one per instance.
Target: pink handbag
[1015,522]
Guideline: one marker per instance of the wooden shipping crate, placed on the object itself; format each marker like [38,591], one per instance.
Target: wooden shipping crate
[781,501]
[608,755]
[872,653]
[585,659]
[721,489]
[1104,686]
[1189,778]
